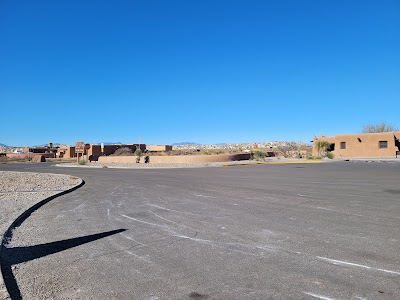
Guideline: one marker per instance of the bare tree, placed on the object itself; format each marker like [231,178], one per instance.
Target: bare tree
[382,127]
[290,149]
[123,151]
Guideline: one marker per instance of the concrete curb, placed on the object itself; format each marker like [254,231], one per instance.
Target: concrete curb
[7,293]
[288,162]
[139,168]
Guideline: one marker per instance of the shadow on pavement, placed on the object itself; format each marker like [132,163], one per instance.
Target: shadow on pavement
[17,255]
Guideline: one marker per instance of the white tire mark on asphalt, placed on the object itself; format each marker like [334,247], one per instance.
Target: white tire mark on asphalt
[203,196]
[164,208]
[318,296]
[340,262]
[165,219]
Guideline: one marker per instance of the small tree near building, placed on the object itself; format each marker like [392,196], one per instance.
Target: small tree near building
[321,147]
[138,154]
[376,128]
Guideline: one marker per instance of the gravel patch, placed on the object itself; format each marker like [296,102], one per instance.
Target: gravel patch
[20,191]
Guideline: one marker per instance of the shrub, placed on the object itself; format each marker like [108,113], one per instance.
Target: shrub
[330,155]
[123,151]
[259,155]
[220,152]
[82,162]
[138,153]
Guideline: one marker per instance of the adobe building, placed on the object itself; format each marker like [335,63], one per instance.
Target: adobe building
[95,150]
[159,148]
[362,145]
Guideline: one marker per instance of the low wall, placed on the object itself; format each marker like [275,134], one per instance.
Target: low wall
[31,155]
[17,155]
[177,159]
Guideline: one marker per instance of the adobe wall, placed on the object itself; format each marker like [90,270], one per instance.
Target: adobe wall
[30,155]
[363,145]
[110,149]
[178,159]
[17,155]
[96,149]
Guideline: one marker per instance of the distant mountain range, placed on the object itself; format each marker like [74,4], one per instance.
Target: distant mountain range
[2,145]
[184,143]
[109,143]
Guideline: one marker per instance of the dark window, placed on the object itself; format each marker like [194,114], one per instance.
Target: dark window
[383,144]
[342,145]
[331,148]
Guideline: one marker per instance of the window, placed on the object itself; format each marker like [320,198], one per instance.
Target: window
[383,145]
[342,145]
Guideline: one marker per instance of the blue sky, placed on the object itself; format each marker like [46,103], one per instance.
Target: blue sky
[201,71]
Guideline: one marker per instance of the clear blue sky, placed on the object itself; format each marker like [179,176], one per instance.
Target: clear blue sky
[201,71]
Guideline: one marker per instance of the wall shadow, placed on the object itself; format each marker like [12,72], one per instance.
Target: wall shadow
[17,255]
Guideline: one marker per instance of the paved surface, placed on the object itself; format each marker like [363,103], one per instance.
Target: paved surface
[324,231]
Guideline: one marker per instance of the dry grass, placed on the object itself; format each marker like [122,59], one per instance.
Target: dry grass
[65,159]
[5,159]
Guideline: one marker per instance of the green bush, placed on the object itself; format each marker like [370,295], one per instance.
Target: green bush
[82,162]
[138,153]
[322,146]
[330,155]
[259,155]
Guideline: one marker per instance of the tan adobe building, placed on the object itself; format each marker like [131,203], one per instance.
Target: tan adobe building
[159,148]
[384,144]
[95,150]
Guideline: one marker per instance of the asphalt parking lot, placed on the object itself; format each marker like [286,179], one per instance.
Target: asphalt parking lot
[318,231]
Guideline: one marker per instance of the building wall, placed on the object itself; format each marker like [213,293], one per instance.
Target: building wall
[96,149]
[156,148]
[36,150]
[30,155]
[362,145]
[110,149]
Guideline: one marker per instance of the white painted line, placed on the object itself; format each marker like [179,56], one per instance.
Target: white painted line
[340,262]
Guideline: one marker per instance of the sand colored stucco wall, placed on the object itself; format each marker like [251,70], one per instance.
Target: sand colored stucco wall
[362,145]
[30,155]
[159,148]
[181,159]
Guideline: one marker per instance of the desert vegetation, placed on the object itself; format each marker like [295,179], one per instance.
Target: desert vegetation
[380,127]
[259,155]
[123,151]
